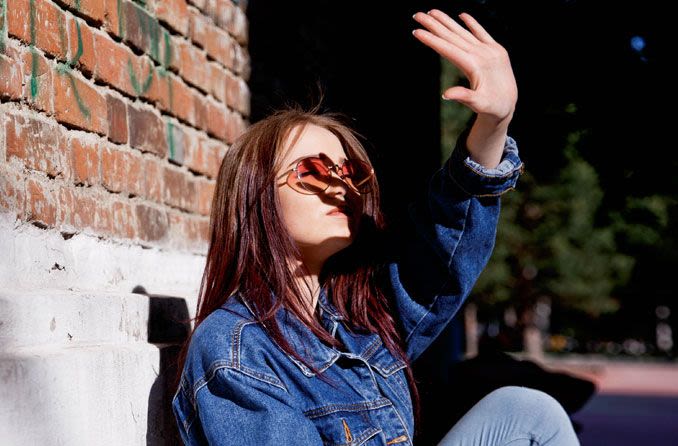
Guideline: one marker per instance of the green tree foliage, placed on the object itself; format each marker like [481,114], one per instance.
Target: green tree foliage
[549,245]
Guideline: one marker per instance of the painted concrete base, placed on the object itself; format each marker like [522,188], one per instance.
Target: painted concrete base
[87,349]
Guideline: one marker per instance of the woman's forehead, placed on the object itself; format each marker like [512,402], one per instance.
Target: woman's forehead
[312,141]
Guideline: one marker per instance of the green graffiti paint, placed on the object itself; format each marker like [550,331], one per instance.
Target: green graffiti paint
[170,138]
[34,55]
[121,19]
[154,34]
[78,54]
[3,24]
[81,105]
[77,5]
[139,89]
[34,72]
[167,59]
[63,40]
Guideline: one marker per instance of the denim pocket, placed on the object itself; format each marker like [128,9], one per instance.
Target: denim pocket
[347,424]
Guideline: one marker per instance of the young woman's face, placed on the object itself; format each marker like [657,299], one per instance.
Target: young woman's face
[317,230]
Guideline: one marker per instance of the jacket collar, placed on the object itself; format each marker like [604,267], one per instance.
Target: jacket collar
[309,346]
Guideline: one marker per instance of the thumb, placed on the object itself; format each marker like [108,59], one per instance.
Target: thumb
[461,94]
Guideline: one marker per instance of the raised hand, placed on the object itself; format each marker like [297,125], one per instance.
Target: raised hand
[485,63]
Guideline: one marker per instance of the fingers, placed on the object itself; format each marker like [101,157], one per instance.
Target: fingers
[453,26]
[478,30]
[438,28]
[456,55]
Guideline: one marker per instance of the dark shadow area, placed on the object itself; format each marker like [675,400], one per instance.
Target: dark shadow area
[166,331]
[450,385]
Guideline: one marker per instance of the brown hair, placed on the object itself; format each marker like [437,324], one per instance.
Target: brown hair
[247,245]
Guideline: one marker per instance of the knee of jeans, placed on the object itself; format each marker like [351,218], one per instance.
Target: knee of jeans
[530,402]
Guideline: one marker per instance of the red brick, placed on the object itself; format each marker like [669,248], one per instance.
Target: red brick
[147,131]
[194,152]
[85,160]
[219,80]
[200,107]
[10,74]
[219,46]
[235,126]
[103,217]
[40,203]
[112,62]
[177,140]
[112,22]
[112,169]
[153,224]
[37,143]
[117,119]
[83,45]
[174,13]
[50,23]
[18,19]
[124,221]
[183,105]
[94,9]
[238,26]
[38,84]
[179,191]
[214,155]
[194,66]
[217,120]
[143,31]
[205,194]
[153,179]
[121,171]
[198,26]
[159,91]
[77,208]
[79,104]
[12,193]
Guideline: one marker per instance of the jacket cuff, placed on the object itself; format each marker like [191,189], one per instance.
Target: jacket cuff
[479,181]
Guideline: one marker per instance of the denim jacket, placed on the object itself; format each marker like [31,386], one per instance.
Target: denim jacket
[239,388]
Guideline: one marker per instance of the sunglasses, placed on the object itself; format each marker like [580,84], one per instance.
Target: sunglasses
[313,175]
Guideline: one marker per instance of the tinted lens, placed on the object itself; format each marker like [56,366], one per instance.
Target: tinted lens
[314,176]
[358,174]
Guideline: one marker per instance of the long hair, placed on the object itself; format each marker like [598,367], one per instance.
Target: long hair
[248,244]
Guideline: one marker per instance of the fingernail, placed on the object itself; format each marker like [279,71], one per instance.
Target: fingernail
[414,14]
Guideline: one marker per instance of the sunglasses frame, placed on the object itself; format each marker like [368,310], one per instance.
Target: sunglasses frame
[336,168]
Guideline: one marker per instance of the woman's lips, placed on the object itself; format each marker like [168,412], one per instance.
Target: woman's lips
[340,212]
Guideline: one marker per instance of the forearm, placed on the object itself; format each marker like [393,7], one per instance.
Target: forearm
[486,140]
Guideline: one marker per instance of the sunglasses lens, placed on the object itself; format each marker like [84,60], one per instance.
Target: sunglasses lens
[313,175]
[358,174]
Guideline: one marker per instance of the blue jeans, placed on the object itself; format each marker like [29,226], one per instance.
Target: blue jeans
[516,416]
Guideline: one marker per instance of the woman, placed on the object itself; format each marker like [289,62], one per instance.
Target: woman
[311,311]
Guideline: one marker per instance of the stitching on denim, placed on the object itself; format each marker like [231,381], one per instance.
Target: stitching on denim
[514,168]
[369,433]
[428,311]
[235,341]
[354,407]
[372,348]
[483,195]
[402,422]
[262,377]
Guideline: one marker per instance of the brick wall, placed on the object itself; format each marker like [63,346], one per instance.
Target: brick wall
[114,118]
[115,114]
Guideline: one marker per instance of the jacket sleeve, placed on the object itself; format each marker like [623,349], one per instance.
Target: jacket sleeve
[235,409]
[447,241]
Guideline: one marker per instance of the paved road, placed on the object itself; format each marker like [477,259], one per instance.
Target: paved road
[636,403]
[633,420]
